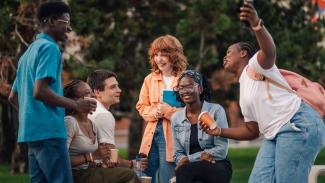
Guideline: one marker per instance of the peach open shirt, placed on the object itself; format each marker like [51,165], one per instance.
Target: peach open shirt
[149,98]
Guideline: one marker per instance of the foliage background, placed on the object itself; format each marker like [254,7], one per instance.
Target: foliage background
[116,35]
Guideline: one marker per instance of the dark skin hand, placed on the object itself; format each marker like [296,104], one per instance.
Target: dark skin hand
[267,54]
[101,153]
[207,157]
[43,93]
[181,162]
[247,131]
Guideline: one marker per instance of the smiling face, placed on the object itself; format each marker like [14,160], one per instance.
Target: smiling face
[189,90]
[233,58]
[111,93]
[60,27]
[163,63]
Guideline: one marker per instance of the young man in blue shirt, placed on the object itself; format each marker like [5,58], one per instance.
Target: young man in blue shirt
[37,93]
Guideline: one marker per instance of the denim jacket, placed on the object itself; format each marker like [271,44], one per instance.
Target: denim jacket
[181,128]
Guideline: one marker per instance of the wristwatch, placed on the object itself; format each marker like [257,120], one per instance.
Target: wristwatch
[259,25]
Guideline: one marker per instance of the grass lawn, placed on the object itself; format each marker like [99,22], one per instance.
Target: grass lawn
[242,161]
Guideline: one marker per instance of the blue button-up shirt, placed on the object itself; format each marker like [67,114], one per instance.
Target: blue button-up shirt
[37,120]
[181,126]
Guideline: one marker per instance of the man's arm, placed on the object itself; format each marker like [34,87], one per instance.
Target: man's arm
[43,93]
[13,99]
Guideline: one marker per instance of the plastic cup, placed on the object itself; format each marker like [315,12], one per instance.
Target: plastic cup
[90,98]
[145,179]
[114,155]
[205,118]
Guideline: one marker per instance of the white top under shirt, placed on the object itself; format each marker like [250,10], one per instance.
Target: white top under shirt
[168,80]
[78,143]
[272,114]
[105,123]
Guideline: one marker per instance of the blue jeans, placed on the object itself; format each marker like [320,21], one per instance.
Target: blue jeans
[49,161]
[157,158]
[289,156]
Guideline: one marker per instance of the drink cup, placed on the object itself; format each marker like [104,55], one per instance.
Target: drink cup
[205,118]
[145,179]
[114,155]
[90,98]
[138,161]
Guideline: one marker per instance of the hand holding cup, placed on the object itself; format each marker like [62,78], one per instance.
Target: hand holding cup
[206,118]
[86,105]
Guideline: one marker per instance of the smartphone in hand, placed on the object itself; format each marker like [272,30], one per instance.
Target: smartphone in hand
[246,23]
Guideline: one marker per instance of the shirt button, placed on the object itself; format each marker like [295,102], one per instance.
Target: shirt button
[200,139]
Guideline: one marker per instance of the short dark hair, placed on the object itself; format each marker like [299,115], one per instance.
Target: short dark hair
[249,47]
[96,79]
[52,9]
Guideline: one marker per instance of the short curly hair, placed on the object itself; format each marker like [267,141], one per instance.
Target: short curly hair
[52,9]
[172,47]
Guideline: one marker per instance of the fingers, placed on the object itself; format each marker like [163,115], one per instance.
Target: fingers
[248,13]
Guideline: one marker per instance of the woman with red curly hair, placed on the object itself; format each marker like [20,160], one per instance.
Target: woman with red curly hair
[167,62]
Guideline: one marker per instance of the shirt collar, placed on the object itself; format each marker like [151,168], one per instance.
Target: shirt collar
[205,107]
[157,75]
[101,106]
[45,36]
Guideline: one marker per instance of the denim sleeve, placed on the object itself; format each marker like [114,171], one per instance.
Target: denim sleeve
[178,149]
[220,149]
[49,58]
[195,157]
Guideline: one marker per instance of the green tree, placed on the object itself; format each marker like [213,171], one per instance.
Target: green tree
[116,35]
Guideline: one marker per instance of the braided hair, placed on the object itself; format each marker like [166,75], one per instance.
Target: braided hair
[70,91]
[249,47]
[199,79]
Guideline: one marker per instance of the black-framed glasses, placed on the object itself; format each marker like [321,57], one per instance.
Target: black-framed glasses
[188,88]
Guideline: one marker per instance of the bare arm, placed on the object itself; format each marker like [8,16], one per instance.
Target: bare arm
[267,54]
[13,99]
[43,93]
[247,131]
[101,153]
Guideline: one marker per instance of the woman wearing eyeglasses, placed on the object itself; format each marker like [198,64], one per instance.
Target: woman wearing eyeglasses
[167,62]
[198,155]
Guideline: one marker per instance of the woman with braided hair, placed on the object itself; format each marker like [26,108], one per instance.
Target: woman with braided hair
[198,155]
[86,154]
[294,132]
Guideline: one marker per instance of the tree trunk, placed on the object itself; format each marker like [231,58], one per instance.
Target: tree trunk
[135,134]
[9,123]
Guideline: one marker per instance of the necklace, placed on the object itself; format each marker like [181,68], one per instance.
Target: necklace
[87,129]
